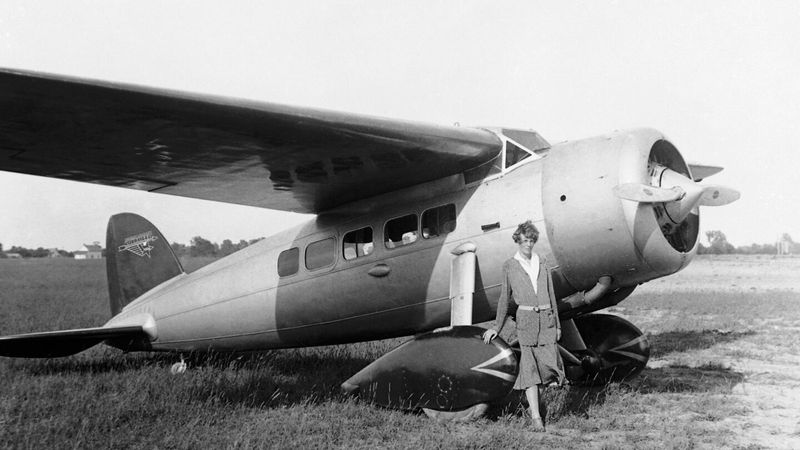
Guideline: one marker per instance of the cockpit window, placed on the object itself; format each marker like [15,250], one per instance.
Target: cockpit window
[514,154]
[518,146]
[400,231]
[529,139]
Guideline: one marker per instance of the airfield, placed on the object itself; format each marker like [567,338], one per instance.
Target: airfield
[725,336]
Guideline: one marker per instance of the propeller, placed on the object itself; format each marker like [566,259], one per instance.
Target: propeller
[701,171]
[681,198]
[644,193]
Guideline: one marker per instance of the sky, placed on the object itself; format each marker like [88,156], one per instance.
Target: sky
[721,79]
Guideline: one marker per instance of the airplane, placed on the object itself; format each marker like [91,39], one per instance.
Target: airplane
[411,224]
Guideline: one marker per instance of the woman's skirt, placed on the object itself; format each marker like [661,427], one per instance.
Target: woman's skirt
[539,364]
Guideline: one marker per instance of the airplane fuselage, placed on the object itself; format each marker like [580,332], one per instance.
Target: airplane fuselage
[241,301]
[375,269]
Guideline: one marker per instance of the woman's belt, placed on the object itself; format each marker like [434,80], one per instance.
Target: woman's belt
[534,308]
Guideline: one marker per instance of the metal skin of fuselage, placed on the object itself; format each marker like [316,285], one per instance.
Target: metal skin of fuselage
[240,303]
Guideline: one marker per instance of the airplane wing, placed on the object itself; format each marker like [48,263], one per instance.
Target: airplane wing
[52,344]
[214,148]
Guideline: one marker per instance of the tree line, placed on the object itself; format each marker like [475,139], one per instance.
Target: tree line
[198,246]
[31,252]
[718,245]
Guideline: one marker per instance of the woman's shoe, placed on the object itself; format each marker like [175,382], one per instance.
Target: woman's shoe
[537,424]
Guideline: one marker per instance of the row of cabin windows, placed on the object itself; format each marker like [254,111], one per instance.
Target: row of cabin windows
[357,243]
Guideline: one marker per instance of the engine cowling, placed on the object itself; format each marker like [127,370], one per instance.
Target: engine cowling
[622,205]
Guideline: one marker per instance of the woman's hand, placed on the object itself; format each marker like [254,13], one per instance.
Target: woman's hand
[488,335]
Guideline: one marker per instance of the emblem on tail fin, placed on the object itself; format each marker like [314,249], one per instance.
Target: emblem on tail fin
[139,244]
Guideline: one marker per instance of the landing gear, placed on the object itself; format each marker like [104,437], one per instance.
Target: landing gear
[450,373]
[462,286]
[615,350]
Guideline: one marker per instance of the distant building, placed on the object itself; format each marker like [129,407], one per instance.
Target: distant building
[90,251]
[54,253]
[784,245]
[13,256]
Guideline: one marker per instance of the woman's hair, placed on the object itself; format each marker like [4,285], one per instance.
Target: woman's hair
[528,230]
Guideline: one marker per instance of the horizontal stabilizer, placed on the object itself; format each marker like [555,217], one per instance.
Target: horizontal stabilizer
[51,344]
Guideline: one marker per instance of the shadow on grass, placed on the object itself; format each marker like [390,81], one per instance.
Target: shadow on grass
[680,341]
[577,400]
[100,360]
[92,362]
[272,379]
[312,376]
[682,379]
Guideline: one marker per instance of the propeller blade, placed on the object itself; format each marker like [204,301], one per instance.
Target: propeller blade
[718,196]
[701,171]
[643,193]
[684,197]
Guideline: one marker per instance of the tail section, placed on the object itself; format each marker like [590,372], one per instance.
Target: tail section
[138,258]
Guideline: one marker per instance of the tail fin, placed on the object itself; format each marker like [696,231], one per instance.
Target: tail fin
[138,258]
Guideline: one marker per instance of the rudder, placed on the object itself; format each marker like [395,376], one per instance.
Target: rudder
[138,258]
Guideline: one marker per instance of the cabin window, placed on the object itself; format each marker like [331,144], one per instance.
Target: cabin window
[357,243]
[438,221]
[288,262]
[514,154]
[320,254]
[400,231]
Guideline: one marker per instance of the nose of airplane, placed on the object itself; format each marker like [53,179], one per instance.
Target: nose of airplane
[679,194]
[625,205]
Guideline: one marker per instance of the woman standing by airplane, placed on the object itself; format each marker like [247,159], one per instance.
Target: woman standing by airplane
[528,281]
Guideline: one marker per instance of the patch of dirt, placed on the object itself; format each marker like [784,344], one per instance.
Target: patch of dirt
[774,418]
[769,389]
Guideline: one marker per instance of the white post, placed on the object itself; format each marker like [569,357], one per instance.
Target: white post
[462,284]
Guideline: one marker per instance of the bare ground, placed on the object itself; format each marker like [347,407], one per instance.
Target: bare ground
[759,341]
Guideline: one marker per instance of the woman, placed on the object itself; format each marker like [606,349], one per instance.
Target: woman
[528,281]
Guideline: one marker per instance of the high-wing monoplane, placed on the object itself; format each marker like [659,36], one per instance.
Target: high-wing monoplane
[412,222]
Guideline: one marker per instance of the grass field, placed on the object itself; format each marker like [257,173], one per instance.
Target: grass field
[723,374]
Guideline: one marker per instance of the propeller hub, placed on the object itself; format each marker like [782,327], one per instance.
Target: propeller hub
[677,210]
